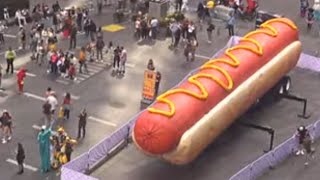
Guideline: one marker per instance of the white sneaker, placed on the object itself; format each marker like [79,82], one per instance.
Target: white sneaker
[4,141]
[298,152]
[9,138]
[209,42]
[302,152]
[306,163]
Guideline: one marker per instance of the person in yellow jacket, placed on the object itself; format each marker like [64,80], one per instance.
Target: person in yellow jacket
[10,56]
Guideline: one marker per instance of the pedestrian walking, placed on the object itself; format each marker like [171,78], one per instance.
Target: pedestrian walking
[10,56]
[99,5]
[67,106]
[22,38]
[123,60]
[99,48]
[82,59]
[230,25]
[1,77]
[20,156]
[302,132]
[20,79]
[6,15]
[178,5]
[82,123]
[210,28]
[310,18]
[73,37]
[116,59]
[304,4]
[6,122]
[110,51]
[46,109]
[2,28]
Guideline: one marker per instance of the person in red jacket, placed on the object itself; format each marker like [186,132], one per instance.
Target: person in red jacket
[20,77]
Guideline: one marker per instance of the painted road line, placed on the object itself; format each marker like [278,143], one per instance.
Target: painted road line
[9,35]
[34,96]
[94,67]
[129,65]
[203,57]
[28,74]
[102,121]
[32,168]
[62,81]
[82,75]
[94,70]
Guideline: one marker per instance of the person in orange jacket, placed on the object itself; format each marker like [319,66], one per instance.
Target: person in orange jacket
[20,77]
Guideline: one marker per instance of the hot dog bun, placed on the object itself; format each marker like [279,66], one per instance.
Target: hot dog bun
[197,138]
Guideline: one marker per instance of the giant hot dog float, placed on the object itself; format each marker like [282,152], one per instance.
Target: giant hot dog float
[184,120]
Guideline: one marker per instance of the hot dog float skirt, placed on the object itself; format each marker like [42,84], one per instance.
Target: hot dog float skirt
[185,120]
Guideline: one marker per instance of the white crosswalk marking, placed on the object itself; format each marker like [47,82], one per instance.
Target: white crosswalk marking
[93,68]
[34,169]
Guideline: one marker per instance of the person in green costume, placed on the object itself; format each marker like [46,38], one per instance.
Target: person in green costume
[44,148]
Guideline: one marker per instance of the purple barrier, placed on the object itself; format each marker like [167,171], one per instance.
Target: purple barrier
[101,150]
[68,174]
[284,150]
[243,174]
[79,164]
[316,130]
[261,165]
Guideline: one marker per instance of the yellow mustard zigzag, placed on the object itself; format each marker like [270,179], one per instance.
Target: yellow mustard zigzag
[211,64]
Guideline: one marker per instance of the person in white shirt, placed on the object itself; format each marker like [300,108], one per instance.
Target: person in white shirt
[6,15]
[52,100]
[123,60]
[154,25]
[184,6]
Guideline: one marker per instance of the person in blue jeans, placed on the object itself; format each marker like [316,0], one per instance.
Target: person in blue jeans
[230,25]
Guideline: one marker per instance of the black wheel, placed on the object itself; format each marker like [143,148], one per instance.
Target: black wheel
[285,85]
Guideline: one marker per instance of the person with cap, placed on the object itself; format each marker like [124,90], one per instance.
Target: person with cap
[44,148]
[82,123]
[301,134]
[10,56]
[20,79]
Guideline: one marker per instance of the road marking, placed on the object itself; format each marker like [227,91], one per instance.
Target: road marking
[129,65]
[82,75]
[25,165]
[34,96]
[28,74]
[9,35]
[93,70]
[102,121]
[62,82]
[203,57]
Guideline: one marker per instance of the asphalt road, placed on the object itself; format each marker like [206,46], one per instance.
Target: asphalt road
[113,100]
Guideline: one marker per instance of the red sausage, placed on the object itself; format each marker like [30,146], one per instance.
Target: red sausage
[158,134]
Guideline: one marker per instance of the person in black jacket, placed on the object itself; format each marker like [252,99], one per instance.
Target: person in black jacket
[73,37]
[20,156]
[82,123]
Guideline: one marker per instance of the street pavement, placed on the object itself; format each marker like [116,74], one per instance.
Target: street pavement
[112,100]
